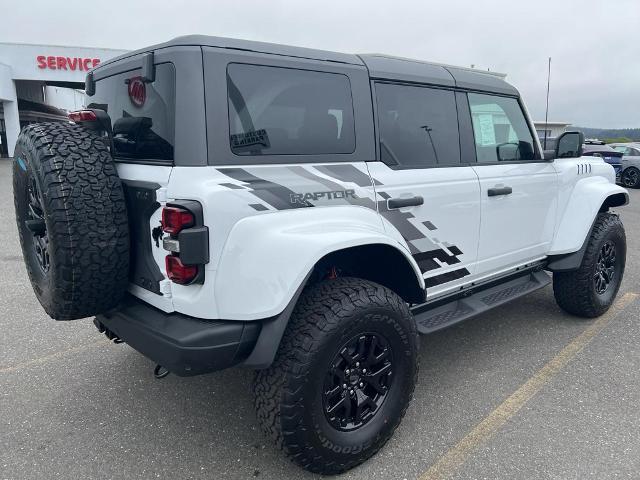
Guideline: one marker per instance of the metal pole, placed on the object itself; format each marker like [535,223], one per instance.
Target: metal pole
[546,113]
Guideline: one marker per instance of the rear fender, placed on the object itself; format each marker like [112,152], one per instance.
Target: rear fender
[267,257]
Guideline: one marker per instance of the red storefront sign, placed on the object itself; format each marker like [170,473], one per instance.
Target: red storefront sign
[66,63]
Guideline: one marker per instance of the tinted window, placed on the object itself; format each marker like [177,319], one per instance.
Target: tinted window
[282,111]
[418,126]
[500,128]
[142,114]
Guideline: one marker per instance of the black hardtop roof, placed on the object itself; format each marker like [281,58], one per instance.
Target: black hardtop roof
[379,66]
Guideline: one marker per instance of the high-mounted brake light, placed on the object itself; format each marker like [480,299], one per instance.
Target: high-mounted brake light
[175,219]
[178,272]
[83,116]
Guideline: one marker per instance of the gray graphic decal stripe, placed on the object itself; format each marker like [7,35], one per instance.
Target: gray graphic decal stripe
[429,225]
[360,201]
[445,277]
[427,260]
[400,220]
[276,195]
[347,173]
[232,186]
[280,197]
[303,172]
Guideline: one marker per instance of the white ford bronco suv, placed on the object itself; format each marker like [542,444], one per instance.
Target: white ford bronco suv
[306,214]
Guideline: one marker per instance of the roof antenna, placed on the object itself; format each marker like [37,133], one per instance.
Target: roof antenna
[546,113]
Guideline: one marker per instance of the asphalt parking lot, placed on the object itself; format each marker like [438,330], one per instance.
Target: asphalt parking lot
[525,391]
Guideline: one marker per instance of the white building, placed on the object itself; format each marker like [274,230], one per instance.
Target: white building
[40,83]
[553,129]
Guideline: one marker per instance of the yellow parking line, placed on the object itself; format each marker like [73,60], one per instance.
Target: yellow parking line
[457,455]
[53,356]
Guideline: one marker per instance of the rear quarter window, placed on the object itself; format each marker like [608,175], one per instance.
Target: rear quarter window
[285,111]
[142,114]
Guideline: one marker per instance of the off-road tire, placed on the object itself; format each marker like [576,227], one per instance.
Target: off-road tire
[575,291]
[288,395]
[82,203]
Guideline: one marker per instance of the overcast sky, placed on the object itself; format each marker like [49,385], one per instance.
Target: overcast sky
[594,44]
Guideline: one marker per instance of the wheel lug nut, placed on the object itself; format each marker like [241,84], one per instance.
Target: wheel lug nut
[350,392]
[361,384]
[347,371]
[357,364]
[344,385]
[364,370]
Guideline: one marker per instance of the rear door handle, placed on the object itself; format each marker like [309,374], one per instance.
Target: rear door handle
[405,202]
[495,191]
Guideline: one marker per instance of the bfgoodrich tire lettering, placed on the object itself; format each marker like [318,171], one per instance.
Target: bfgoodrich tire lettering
[80,214]
[582,292]
[289,394]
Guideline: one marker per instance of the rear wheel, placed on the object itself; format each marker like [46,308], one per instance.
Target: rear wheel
[590,290]
[343,376]
[630,178]
[72,220]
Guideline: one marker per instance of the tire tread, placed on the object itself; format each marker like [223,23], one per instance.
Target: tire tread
[277,390]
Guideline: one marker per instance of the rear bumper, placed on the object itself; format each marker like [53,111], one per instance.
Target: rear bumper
[183,345]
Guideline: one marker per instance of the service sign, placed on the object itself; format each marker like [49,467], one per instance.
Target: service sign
[52,62]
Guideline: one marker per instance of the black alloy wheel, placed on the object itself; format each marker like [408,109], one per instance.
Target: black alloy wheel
[36,224]
[605,268]
[358,381]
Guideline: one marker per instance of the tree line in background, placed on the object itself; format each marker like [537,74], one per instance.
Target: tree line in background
[611,135]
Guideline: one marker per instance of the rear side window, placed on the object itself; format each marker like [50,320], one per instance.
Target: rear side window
[283,111]
[418,126]
[500,129]
[142,114]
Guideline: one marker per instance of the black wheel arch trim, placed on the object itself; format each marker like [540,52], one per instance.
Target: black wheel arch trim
[268,342]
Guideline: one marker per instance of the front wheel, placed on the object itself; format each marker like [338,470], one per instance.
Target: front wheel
[343,376]
[590,290]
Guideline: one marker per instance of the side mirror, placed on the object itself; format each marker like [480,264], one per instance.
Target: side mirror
[569,145]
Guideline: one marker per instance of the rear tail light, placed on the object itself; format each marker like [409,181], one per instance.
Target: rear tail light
[83,116]
[187,241]
[175,219]
[178,272]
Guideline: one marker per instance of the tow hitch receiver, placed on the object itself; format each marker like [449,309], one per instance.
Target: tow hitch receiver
[108,333]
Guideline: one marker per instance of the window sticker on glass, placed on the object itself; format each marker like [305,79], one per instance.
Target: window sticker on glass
[500,128]
[486,129]
[250,138]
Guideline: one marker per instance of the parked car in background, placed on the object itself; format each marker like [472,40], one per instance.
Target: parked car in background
[597,148]
[630,174]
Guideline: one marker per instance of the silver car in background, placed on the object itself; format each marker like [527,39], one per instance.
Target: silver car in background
[630,174]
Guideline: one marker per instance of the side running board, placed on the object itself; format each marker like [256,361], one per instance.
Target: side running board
[431,319]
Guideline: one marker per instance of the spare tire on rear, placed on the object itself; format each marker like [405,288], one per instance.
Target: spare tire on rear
[72,219]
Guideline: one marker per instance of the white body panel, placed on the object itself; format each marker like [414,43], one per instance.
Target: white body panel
[258,274]
[518,227]
[449,218]
[263,243]
[583,185]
